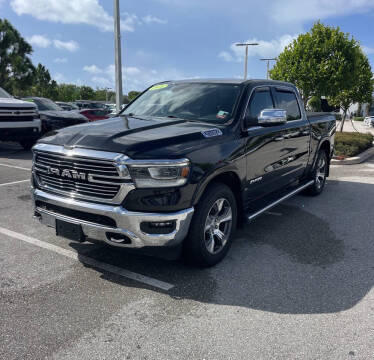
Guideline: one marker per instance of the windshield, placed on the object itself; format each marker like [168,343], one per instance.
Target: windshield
[4,94]
[209,102]
[46,104]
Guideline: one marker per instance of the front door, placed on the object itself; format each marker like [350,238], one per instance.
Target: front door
[265,154]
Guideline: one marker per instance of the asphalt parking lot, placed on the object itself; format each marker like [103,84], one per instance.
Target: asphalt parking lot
[297,284]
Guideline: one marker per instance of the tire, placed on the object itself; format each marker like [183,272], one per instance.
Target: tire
[27,144]
[212,227]
[319,174]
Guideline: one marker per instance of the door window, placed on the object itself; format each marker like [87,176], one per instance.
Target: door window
[260,100]
[286,100]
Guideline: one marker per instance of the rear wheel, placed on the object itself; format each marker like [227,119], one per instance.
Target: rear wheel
[212,227]
[319,174]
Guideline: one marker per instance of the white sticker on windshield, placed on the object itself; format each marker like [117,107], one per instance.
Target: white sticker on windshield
[222,114]
[212,133]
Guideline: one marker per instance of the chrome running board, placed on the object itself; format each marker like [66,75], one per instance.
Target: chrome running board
[283,198]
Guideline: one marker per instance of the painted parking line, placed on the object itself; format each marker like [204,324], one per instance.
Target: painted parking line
[15,167]
[89,261]
[14,182]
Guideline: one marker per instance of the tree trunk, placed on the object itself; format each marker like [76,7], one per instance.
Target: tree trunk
[343,119]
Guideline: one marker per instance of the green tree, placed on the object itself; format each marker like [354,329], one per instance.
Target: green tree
[16,69]
[43,85]
[360,90]
[125,99]
[86,92]
[320,62]
[315,103]
[67,92]
[103,95]
[133,94]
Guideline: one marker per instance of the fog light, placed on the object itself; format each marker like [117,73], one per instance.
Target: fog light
[159,227]
[161,224]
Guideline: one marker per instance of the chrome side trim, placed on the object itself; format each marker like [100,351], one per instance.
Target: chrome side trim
[283,198]
[128,222]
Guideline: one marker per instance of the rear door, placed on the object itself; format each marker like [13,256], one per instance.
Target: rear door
[296,134]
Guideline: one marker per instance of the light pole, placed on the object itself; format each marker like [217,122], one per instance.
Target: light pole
[246,56]
[268,65]
[118,62]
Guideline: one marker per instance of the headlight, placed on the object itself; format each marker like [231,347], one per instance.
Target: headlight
[155,174]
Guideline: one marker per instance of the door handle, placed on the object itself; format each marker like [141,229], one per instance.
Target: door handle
[279,138]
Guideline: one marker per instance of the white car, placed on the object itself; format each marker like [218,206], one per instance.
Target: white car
[19,121]
[369,121]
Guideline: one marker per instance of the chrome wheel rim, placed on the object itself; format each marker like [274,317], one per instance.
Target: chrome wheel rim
[218,226]
[321,172]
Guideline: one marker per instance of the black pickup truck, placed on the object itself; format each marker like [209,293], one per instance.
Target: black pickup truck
[182,166]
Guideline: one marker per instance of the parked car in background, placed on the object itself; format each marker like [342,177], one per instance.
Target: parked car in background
[67,106]
[369,121]
[112,109]
[95,114]
[87,104]
[53,117]
[19,121]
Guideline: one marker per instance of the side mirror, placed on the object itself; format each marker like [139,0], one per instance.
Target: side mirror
[269,117]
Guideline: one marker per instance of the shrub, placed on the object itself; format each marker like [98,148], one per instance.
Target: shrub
[338,116]
[358,118]
[349,144]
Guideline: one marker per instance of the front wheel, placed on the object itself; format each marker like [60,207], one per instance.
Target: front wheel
[319,174]
[212,227]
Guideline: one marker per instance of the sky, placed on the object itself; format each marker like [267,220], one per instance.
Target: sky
[173,39]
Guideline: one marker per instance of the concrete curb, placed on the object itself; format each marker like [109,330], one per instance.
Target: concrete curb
[356,159]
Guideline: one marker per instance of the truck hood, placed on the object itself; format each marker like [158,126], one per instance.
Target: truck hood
[15,103]
[145,138]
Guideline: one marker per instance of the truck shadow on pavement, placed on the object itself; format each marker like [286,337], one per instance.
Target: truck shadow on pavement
[290,264]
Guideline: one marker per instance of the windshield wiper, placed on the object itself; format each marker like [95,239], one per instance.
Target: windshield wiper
[132,115]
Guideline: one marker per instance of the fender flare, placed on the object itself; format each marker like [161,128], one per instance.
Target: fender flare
[206,180]
[324,140]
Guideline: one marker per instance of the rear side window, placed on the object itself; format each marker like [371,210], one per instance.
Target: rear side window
[261,99]
[286,100]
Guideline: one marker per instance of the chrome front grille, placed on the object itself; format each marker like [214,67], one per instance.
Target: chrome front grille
[88,178]
[18,114]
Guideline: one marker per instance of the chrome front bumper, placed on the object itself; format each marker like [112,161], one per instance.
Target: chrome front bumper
[128,222]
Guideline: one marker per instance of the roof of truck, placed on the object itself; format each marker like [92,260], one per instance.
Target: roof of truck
[229,81]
